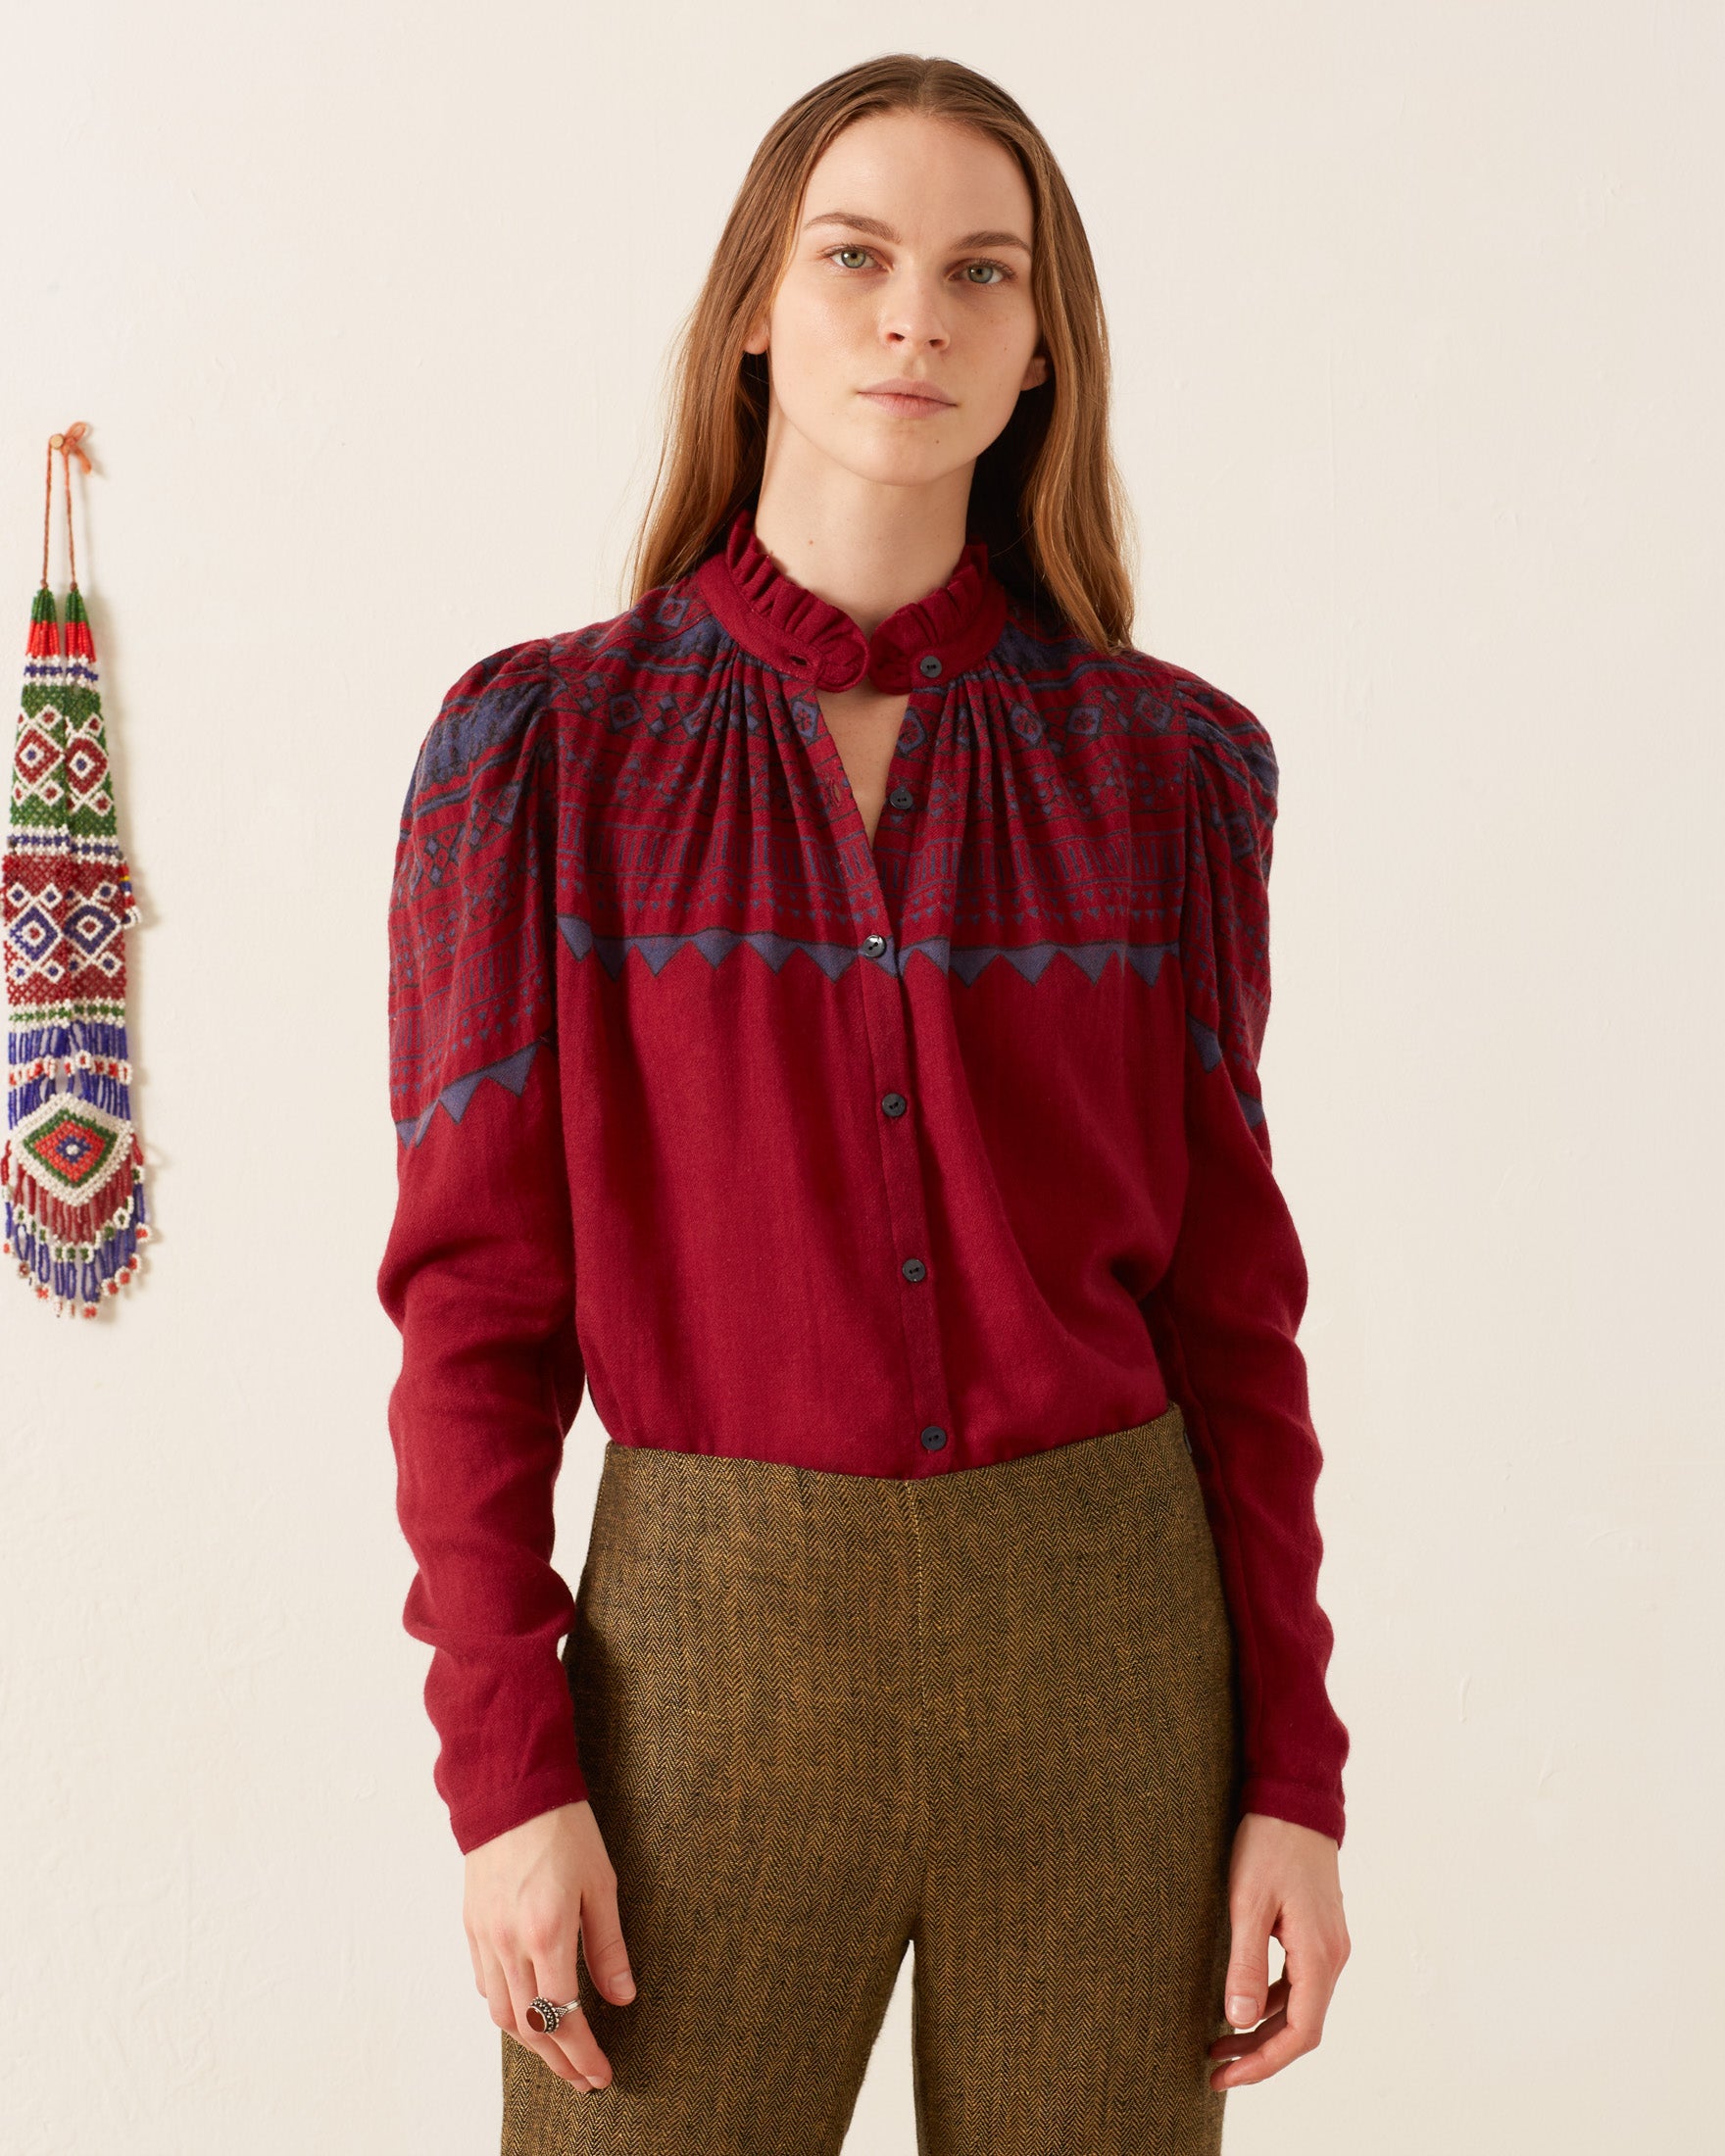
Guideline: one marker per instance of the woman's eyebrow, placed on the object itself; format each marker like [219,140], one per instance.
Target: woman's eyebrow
[877,230]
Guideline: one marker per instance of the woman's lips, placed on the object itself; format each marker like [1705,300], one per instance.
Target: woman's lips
[907,400]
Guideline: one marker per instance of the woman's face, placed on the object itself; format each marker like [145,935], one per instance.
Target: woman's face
[911,264]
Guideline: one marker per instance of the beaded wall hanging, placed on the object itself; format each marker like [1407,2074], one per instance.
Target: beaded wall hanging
[73,1168]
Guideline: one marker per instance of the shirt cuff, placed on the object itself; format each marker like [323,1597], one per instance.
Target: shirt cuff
[1319,1810]
[495,1814]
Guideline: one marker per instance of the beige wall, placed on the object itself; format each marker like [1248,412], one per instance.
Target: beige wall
[1418,330]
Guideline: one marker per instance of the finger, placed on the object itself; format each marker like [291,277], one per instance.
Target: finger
[554,1978]
[601,1944]
[1312,1971]
[1299,2028]
[1277,2052]
[1243,2041]
[1275,1999]
[495,1985]
[1245,1987]
[565,2052]
[1237,2042]
[553,1971]
[580,2046]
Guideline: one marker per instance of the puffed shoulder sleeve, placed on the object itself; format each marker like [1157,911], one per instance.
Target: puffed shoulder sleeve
[1226,1314]
[478,1270]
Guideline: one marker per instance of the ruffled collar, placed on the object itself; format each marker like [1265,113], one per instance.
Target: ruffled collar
[922,645]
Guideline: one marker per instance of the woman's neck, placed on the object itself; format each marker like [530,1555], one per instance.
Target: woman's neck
[866,547]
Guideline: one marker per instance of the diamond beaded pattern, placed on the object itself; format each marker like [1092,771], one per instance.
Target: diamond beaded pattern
[72,1167]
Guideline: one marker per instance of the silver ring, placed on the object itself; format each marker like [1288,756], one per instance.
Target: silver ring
[543,2017]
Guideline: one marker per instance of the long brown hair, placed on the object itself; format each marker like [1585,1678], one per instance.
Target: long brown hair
[1045,494]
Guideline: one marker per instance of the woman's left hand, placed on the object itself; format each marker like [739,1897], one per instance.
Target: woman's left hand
[1283,1884]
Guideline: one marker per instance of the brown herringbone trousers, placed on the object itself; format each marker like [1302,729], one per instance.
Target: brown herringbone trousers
[824,1715]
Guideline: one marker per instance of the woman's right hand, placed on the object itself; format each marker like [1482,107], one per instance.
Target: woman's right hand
[530,1894]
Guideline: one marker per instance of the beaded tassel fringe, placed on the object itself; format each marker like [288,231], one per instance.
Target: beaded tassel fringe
[72,1167]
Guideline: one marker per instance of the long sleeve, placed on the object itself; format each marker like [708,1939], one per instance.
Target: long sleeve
[1225,1314]
[478,1271]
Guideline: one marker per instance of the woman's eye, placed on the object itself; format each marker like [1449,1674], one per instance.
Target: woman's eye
[994,272]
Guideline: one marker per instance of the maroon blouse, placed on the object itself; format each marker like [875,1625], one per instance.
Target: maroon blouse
[898,1158]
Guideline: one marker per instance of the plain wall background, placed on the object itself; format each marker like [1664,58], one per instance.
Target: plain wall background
[1417,325]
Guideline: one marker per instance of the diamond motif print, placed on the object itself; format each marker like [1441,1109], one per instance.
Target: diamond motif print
[71,1146]
[36,754]
[90,928]
[33,932]
[85,766]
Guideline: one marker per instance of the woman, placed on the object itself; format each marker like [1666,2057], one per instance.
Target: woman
[824,1013]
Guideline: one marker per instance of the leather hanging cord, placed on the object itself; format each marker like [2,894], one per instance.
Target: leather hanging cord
[71,444]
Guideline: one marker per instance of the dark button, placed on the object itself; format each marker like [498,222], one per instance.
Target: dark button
[873,946]
[913,1269]
[929,666]
[934,1437]
[901,797]
[894,1104]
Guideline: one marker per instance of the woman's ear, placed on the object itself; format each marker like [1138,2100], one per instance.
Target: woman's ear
[757,339]
[1036,372]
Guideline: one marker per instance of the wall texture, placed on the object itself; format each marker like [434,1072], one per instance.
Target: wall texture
[1419,336]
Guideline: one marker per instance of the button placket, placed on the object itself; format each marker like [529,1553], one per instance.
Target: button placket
[886,1014]
[929,690]
[886,1018]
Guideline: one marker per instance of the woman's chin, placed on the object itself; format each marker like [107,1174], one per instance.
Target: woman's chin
[904,461]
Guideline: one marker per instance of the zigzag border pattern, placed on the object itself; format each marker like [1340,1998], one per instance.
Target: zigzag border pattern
[716,944]
[967,960]
[1210,1053]
[509,1072]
